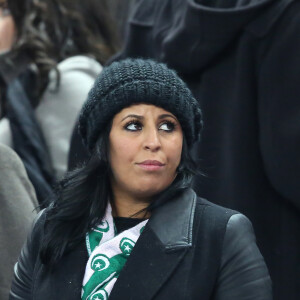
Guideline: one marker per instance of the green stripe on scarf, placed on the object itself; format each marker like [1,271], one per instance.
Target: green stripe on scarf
[108,255]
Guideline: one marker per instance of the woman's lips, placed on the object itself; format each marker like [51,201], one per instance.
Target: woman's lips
[151,165]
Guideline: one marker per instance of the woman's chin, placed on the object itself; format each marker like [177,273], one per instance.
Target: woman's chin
[149,188]
[148,192]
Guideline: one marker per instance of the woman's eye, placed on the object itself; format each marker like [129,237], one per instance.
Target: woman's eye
[133,126]
[167,126]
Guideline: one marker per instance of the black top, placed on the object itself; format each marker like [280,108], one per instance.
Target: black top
[122,223]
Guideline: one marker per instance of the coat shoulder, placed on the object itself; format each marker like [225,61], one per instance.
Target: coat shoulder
[212,208]
[211,222]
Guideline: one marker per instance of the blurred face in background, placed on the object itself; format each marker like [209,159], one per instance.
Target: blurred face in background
[7,27]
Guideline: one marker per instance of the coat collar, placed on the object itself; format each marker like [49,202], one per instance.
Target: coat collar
[173,222]
[160,248]
[12,65]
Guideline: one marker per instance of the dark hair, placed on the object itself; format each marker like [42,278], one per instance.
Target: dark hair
[49,31]
[82,197]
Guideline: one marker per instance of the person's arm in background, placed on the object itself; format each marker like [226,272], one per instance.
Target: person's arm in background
[28,262]
[279,106]
[5,133]
[18,203]
[59,107]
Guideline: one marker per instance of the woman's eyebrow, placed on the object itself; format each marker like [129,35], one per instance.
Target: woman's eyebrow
[167,115]
[133,116]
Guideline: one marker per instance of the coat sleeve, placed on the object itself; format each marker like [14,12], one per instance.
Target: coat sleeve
[279,105]
[17,212]
[243,272]
[59,107]
[21,288]
[5,133]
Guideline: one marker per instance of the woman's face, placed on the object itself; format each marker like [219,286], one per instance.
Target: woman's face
[145,150]
[7,27]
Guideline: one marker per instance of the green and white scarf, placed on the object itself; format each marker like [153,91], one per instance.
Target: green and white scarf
[108,254]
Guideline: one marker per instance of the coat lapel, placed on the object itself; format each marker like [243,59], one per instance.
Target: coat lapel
[159,250]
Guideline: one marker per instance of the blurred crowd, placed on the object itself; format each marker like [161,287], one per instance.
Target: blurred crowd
[241,60]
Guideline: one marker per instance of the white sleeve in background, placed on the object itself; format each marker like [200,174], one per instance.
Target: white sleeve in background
[5,133]
[59,108]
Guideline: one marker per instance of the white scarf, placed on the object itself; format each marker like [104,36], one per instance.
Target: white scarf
[108,254]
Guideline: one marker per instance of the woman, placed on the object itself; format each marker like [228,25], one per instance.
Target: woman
[127,225]
[52,53]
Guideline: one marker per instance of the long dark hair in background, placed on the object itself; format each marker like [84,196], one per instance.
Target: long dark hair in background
[82,197]
[49,31]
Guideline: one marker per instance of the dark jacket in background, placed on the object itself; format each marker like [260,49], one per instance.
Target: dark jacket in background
[29,141]
[120,9]
[17,204]
[242,61]
[189,249]
[17,84]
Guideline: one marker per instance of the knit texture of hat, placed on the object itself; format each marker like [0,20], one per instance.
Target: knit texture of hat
[134,81]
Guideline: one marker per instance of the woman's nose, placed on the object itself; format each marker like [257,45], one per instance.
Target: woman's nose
[151,140]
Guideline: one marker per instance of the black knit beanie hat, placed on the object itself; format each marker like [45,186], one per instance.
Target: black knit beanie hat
[133,81]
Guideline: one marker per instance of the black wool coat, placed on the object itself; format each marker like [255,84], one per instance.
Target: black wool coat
[189,249]
[241,60]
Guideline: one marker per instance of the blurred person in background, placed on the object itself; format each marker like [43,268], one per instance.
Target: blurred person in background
[17,204]
[120,10]
[241,60]
[51,52]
